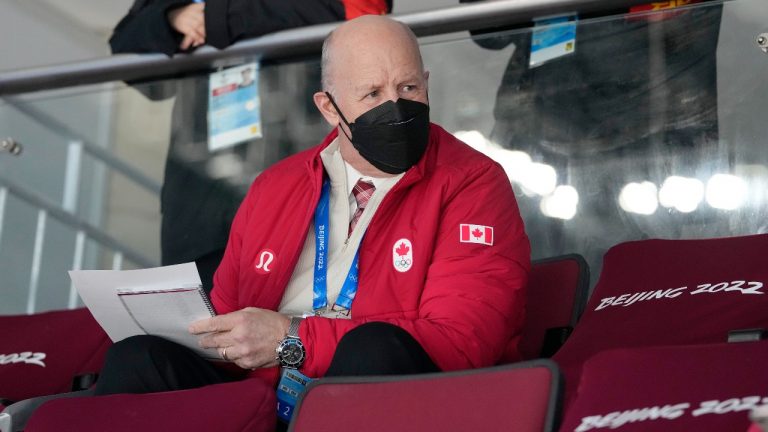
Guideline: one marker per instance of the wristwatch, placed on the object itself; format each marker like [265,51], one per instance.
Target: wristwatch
[290,351]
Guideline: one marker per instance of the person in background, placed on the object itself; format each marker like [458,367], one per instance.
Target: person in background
[172,26]
[639,85]
[198,203]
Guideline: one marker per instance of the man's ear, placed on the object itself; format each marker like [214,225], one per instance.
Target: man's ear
[323,103]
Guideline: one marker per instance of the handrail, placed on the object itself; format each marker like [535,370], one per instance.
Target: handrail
[94,150]
[289,44]
[68,219]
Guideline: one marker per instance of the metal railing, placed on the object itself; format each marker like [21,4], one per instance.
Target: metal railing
[291,44]
[62,130]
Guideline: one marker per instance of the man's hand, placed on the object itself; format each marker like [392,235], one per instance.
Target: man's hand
[189,20]
[249,336]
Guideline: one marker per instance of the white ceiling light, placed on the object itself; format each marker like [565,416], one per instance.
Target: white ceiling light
[639,198]
[535,178]
[475,139]
[562,204]
[726,192]
[514,162]
[539,178]
[683,193]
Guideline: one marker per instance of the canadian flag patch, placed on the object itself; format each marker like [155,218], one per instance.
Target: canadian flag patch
[476,234]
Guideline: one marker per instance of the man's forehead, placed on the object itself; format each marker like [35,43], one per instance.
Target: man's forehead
[371,51]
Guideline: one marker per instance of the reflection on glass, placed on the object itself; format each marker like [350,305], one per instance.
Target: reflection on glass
[539,179]
[726,191]
[561,204]
[533,177]
[514,162]
[639,198]
[681,193]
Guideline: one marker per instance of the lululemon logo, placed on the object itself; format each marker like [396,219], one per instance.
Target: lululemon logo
[263,264]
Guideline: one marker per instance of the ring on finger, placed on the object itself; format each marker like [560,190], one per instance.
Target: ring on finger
[224,354]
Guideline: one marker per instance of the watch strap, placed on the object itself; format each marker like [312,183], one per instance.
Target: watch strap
[293,328]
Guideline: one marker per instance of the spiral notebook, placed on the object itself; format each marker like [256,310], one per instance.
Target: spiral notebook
[159,312]
[160,301]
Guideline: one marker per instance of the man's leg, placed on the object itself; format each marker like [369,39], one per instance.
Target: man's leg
[379,348]
[148,364]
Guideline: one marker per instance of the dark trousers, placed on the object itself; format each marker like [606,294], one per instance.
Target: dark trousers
[146,364]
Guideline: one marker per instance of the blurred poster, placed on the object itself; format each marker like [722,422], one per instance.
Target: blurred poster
[234,107]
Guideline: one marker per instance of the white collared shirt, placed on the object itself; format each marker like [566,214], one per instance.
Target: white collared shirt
[297,299]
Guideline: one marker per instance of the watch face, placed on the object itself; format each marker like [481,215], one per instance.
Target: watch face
[291,353]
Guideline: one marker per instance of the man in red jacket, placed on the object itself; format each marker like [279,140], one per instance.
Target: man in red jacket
[440,247]
[427,273]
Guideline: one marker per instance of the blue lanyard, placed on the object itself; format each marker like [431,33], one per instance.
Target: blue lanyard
[320,285]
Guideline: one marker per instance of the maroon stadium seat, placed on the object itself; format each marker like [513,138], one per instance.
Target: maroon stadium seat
[519,397]
[247,405]
[41,354]
[670,292]
[555,297]
[698,388]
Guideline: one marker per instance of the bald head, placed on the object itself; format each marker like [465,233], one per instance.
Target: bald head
[368,33]
[366,62]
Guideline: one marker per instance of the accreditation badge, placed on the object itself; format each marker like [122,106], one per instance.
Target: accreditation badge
[292,385]
[552,37]
[234,107]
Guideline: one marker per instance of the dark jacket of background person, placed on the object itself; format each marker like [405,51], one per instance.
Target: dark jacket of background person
[145,29]
[637,88]
[197,209]
[602,97]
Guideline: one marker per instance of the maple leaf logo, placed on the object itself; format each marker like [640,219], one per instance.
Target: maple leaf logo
[477,233]
[402,249]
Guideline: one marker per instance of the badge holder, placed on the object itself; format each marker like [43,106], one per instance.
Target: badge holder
[234,107]
[292,385]
[552,37]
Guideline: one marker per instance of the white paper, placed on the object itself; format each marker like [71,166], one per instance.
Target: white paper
[167,313]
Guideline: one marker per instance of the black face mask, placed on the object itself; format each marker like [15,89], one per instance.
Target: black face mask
[392,136]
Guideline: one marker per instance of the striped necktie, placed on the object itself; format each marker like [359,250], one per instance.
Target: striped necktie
[362,192]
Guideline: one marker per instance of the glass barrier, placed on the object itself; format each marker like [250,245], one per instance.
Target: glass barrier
[649,125]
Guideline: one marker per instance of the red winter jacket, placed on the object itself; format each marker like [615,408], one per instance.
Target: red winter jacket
[462,301]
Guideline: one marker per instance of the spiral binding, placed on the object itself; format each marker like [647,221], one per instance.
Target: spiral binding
[206,300]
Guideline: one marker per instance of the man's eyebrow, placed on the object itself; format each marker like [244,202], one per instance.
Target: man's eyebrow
[411,78]
[366,87]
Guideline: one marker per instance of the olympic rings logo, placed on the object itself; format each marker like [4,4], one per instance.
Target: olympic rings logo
[403,263]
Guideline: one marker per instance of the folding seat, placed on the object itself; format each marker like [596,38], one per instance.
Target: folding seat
[519,397]
[555,297]
[671,292]
[702,388]
[247,405]
[43,353]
